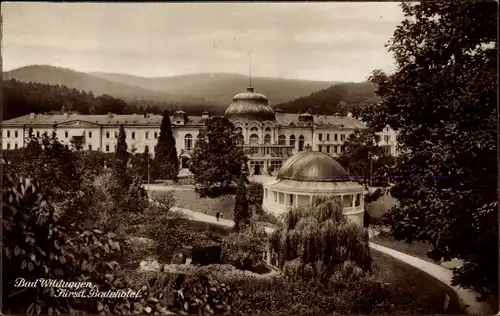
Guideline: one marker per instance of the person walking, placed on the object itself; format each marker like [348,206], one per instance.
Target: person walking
[217,215]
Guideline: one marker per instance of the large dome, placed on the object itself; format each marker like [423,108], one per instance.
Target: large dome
[312,166]
[250,106]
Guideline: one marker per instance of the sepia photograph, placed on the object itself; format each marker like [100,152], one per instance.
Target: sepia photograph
[249,158]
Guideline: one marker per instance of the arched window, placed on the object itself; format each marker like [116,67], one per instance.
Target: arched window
[188,142]
[239,130]
[267,139]
[282,140]
[254,139]
[301,142]
[292,140]
[268,129]
[254,129]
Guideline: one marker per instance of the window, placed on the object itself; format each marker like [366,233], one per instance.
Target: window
[282,140]
[156,135]
[239,130]
[327,149]
[8,145]
[133,135]
[146,148]
[358,200]
[342,137]
[37,134]
[90,147]
[267,139]
[8,133]
[387,138]
[107,134]
[301,142]
[327,137]
[116,134]
[90,134]
[15,145]
[188,142]
[320,137]
[16,134]
[336,149]
[254,139]
[342,148]
[319,147]
[66,134]
[291,199]
[335,137]
[292,140]
[268,129]
[107,148]
[146,135]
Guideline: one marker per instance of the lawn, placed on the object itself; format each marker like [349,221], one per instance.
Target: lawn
[424,287]
[417,248]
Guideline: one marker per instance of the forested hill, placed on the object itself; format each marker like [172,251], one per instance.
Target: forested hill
[22,98]
[339,98]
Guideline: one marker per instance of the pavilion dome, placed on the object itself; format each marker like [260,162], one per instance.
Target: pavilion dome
[312,166]
[250,105]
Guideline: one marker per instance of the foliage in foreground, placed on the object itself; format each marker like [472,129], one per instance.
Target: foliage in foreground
[443,101]
[319,239]
[244,249]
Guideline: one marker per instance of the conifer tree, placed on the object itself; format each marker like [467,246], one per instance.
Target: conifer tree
[121,159]
[241,210]
[166,162]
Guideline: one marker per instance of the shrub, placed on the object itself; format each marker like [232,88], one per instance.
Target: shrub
[255,193]
[244,250]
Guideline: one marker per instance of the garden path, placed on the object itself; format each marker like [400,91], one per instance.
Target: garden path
[441,273]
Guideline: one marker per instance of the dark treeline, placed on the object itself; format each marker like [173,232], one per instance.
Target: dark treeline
[22,98]
[340,98]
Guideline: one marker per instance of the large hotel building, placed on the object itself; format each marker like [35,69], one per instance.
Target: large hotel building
[269,137]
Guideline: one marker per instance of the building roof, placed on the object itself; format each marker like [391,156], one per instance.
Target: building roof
[290,119]
[250,106]
[312,166]
[127,119]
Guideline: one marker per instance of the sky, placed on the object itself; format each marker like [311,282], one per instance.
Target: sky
[314,41]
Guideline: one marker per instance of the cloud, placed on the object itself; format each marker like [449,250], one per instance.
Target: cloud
[318,41]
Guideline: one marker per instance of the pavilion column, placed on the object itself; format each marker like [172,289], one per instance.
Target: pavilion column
[310,199]
[353,200]
[296,200]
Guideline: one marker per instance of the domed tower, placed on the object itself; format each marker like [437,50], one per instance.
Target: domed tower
[249,106]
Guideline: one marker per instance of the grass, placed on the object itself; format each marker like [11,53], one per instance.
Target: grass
[423,286]
[417,249]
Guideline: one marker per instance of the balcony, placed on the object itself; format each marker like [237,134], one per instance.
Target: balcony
[268,151]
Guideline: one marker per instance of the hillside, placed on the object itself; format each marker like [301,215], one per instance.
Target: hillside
[338,98]
[221,87]
[88,82]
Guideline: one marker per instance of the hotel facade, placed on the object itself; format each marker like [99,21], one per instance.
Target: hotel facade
[269,137]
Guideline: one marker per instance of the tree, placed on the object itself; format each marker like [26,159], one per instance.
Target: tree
[217,159]
[121,160]
[361,151]
[241,208]
[166,162]
[443,101]
[309,240]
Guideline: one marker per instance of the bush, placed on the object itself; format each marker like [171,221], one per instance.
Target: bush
[244,249]
[255,193]
[371,197]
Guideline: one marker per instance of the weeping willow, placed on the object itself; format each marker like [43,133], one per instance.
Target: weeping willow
[318,241]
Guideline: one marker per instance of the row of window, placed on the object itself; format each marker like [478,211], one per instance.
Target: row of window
[336,149]
[335,137]
[9,146]
[16,133]
[279,197]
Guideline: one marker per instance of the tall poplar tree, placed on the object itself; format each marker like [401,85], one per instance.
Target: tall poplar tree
[121,159]
[241,210]
[166,161]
